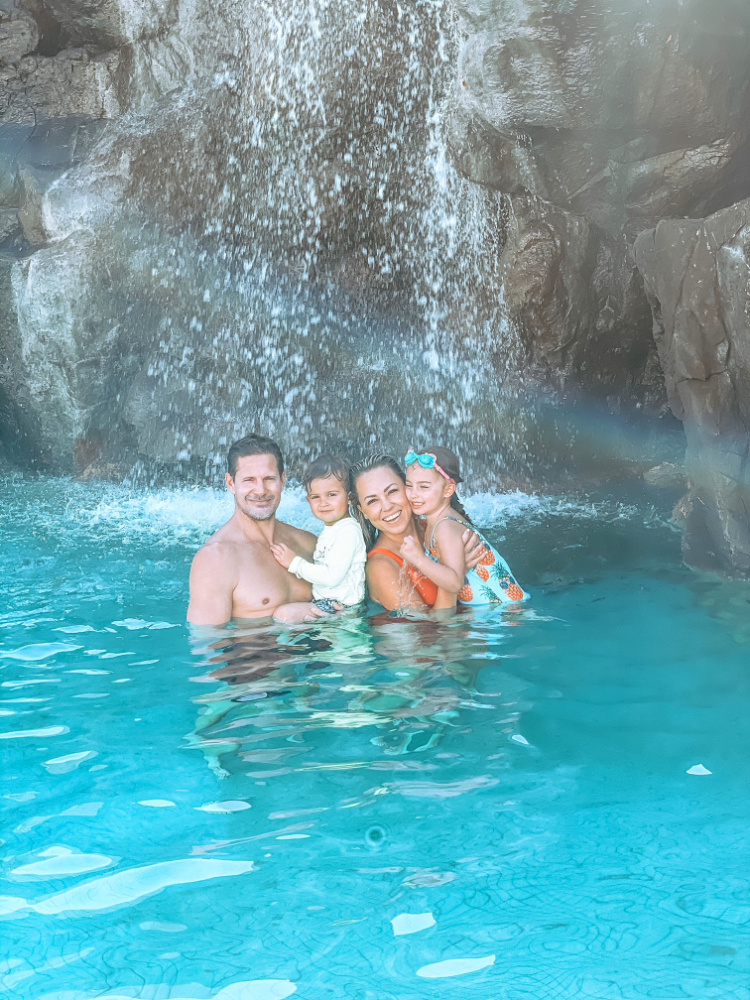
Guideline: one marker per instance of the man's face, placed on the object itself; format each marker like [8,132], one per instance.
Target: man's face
[257,486]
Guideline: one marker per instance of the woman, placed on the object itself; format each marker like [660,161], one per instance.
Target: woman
[378,488]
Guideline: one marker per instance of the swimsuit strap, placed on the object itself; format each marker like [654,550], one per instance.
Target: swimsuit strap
[446,518]
[425,587]
[385,552]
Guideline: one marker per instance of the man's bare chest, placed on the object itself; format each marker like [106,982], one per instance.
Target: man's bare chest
[263,585]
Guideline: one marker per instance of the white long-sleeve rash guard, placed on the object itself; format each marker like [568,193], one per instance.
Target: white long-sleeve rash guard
[337,572]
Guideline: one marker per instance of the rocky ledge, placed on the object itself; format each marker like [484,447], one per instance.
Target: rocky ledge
[605,126]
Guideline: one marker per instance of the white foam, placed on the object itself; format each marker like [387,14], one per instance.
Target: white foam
[455,967]
[38,651]
[411,923]
[698,769]
[58,861]
[126,887]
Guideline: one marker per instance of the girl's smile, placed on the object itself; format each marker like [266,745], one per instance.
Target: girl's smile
[426,490]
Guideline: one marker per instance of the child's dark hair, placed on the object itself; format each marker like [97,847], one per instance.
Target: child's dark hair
[325,466]
[449,462]
[359,469]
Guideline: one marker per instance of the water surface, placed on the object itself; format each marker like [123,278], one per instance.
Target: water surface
[495,807]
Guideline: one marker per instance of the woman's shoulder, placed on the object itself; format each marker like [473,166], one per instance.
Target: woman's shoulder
[380,556]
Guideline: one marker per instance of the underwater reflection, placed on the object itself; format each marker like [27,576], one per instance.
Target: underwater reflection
[405,683]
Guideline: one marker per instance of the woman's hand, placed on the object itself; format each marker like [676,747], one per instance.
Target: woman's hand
[474,548]
[282,554]
[412,551]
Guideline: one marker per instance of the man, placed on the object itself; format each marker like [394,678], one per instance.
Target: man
[235,575]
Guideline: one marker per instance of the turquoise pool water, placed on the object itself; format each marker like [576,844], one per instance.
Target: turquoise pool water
[496,808]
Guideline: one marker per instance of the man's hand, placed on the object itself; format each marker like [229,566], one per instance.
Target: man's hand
[412,551]
[282,554]
[298,612]
[474,548]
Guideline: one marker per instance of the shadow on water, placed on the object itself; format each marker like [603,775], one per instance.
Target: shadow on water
[403,683]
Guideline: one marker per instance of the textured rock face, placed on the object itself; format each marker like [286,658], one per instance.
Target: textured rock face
[221,216]
[596,121]
[698,275]
[599,123]
[266,234]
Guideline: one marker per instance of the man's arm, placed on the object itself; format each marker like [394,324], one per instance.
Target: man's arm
[213,577]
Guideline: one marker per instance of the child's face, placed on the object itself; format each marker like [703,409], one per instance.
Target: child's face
[426,489]
[328,499]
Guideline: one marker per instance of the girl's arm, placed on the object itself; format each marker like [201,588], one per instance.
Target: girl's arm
[449,573]
[347,544]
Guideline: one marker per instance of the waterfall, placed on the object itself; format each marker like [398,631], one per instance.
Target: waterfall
[276,244]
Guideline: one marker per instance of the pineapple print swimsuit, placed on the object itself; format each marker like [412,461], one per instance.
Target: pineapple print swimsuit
[491,582]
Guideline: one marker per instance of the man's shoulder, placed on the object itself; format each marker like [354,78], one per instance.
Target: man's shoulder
[288,531]
[223,549]
[217,553]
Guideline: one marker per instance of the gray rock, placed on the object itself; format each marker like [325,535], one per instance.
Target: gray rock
[108,23]
[595,122]
[666,476]
[19,36]
[74,83]
[696,273]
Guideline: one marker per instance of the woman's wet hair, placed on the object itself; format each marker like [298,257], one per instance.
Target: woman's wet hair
[356,472]
[325,466]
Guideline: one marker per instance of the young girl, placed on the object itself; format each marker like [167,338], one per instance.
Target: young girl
[431,481]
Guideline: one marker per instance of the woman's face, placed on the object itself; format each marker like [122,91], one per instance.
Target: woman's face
[383,500]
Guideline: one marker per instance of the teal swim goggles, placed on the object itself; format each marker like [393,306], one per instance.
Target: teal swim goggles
[427,461]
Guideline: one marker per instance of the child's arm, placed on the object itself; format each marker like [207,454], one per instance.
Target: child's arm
[338,558]
[449,573]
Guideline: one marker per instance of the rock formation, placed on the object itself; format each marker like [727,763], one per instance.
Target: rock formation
[698,276]
[265,228]
[218,216]
[597,122]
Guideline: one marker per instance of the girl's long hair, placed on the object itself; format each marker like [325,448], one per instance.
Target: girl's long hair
[359,469]
[457,505]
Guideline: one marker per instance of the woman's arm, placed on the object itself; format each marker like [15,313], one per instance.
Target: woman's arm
[386,585]
[449,573]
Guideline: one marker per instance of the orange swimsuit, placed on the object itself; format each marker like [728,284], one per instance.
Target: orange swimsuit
[426,589]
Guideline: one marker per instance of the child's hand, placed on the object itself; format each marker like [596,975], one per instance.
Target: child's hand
[282,554]
[412,551]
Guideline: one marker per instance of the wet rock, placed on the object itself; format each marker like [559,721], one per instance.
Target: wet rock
[19,36]
[666,476]
[76,83]
[109,23]
[696,273]
[595,122]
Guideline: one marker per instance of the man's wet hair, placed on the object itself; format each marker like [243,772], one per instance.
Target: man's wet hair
[253,444]
[325,466]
